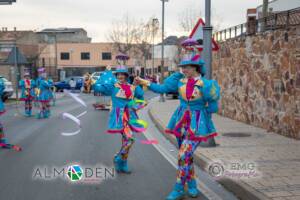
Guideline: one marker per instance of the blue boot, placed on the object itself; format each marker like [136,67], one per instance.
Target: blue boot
[117,163]
[177,193]
[46,114]
[26,113]
[39,115]
[124,167]
[192,189]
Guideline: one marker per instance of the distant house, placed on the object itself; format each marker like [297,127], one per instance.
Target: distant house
[278,6]
[28,46]
[64,35]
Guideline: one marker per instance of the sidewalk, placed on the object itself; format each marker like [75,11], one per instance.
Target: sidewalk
[276,158]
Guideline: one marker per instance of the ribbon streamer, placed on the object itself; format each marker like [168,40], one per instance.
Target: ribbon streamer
[137,104]
[76,98]
[10,146]
[81,114]
[140,123]
[154,141]
[74,119]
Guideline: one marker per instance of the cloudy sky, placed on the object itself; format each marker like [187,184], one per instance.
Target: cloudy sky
[96,16]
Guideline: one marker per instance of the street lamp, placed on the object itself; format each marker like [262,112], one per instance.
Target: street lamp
[162,71]
[7,2]
[207,55]
[154,23]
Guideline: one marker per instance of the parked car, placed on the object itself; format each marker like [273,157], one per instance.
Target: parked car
[61,85]
[95,76]
[8,90]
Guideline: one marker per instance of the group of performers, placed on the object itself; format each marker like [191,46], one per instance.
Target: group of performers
[31,91]
[38,90]
[191,123]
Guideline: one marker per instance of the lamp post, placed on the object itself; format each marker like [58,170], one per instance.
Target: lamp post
[7,2]
[207,55]
[154,23]
[162,71]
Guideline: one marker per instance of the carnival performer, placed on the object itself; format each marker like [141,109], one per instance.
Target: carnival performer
[44,95]
[27,86]
[123,117]
[191,122]
[3,141]
[87,83]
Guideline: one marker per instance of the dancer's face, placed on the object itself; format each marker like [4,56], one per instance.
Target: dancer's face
[189,71]
[122,78]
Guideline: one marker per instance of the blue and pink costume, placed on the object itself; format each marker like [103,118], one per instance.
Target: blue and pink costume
[27,94]
[191,123]
[44,95]
[122,115]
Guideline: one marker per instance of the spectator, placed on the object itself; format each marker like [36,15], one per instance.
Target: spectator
[72,84]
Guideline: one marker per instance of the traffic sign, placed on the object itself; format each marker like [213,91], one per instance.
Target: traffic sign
[197,34]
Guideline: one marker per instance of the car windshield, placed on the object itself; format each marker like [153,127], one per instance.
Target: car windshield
[96,74]
[4,79]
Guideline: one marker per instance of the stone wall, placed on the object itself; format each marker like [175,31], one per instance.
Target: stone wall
[260,80]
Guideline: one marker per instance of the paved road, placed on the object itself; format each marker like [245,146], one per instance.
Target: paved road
[45,148]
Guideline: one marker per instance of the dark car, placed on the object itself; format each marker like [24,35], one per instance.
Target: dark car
[61,85]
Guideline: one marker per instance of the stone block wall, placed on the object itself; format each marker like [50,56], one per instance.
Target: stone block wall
[260,80]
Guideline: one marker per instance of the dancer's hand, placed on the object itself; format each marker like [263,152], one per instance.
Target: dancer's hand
[108,67]
[139,81]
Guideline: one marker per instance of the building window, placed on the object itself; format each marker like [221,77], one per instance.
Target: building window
[85,56]
[64,56]
[106,56]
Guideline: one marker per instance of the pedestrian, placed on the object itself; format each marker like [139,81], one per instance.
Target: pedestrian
[44,94]
[27,86]
[3,141]
[191,122]
[72,84]
[122,114]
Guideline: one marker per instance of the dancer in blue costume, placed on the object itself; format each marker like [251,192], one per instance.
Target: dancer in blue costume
[122,116]
[3,141]
[191,122]
[43,95]
[27,86]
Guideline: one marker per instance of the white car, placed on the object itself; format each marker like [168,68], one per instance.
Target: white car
[95,76]
[8,88]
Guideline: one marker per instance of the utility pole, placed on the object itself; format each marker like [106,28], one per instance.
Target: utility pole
[265,13]
[207,41]
[17,69]
[207,55]
[162,71]
[7,2]
[154,23]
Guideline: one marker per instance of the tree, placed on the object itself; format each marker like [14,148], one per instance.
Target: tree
[190,15]
[133,38]
[123,34]
[146,36]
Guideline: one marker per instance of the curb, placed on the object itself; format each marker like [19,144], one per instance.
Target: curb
[240,189]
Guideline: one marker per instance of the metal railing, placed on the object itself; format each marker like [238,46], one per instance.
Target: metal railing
[280,20]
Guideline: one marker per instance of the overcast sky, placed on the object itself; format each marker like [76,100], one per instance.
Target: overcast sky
[96,15]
